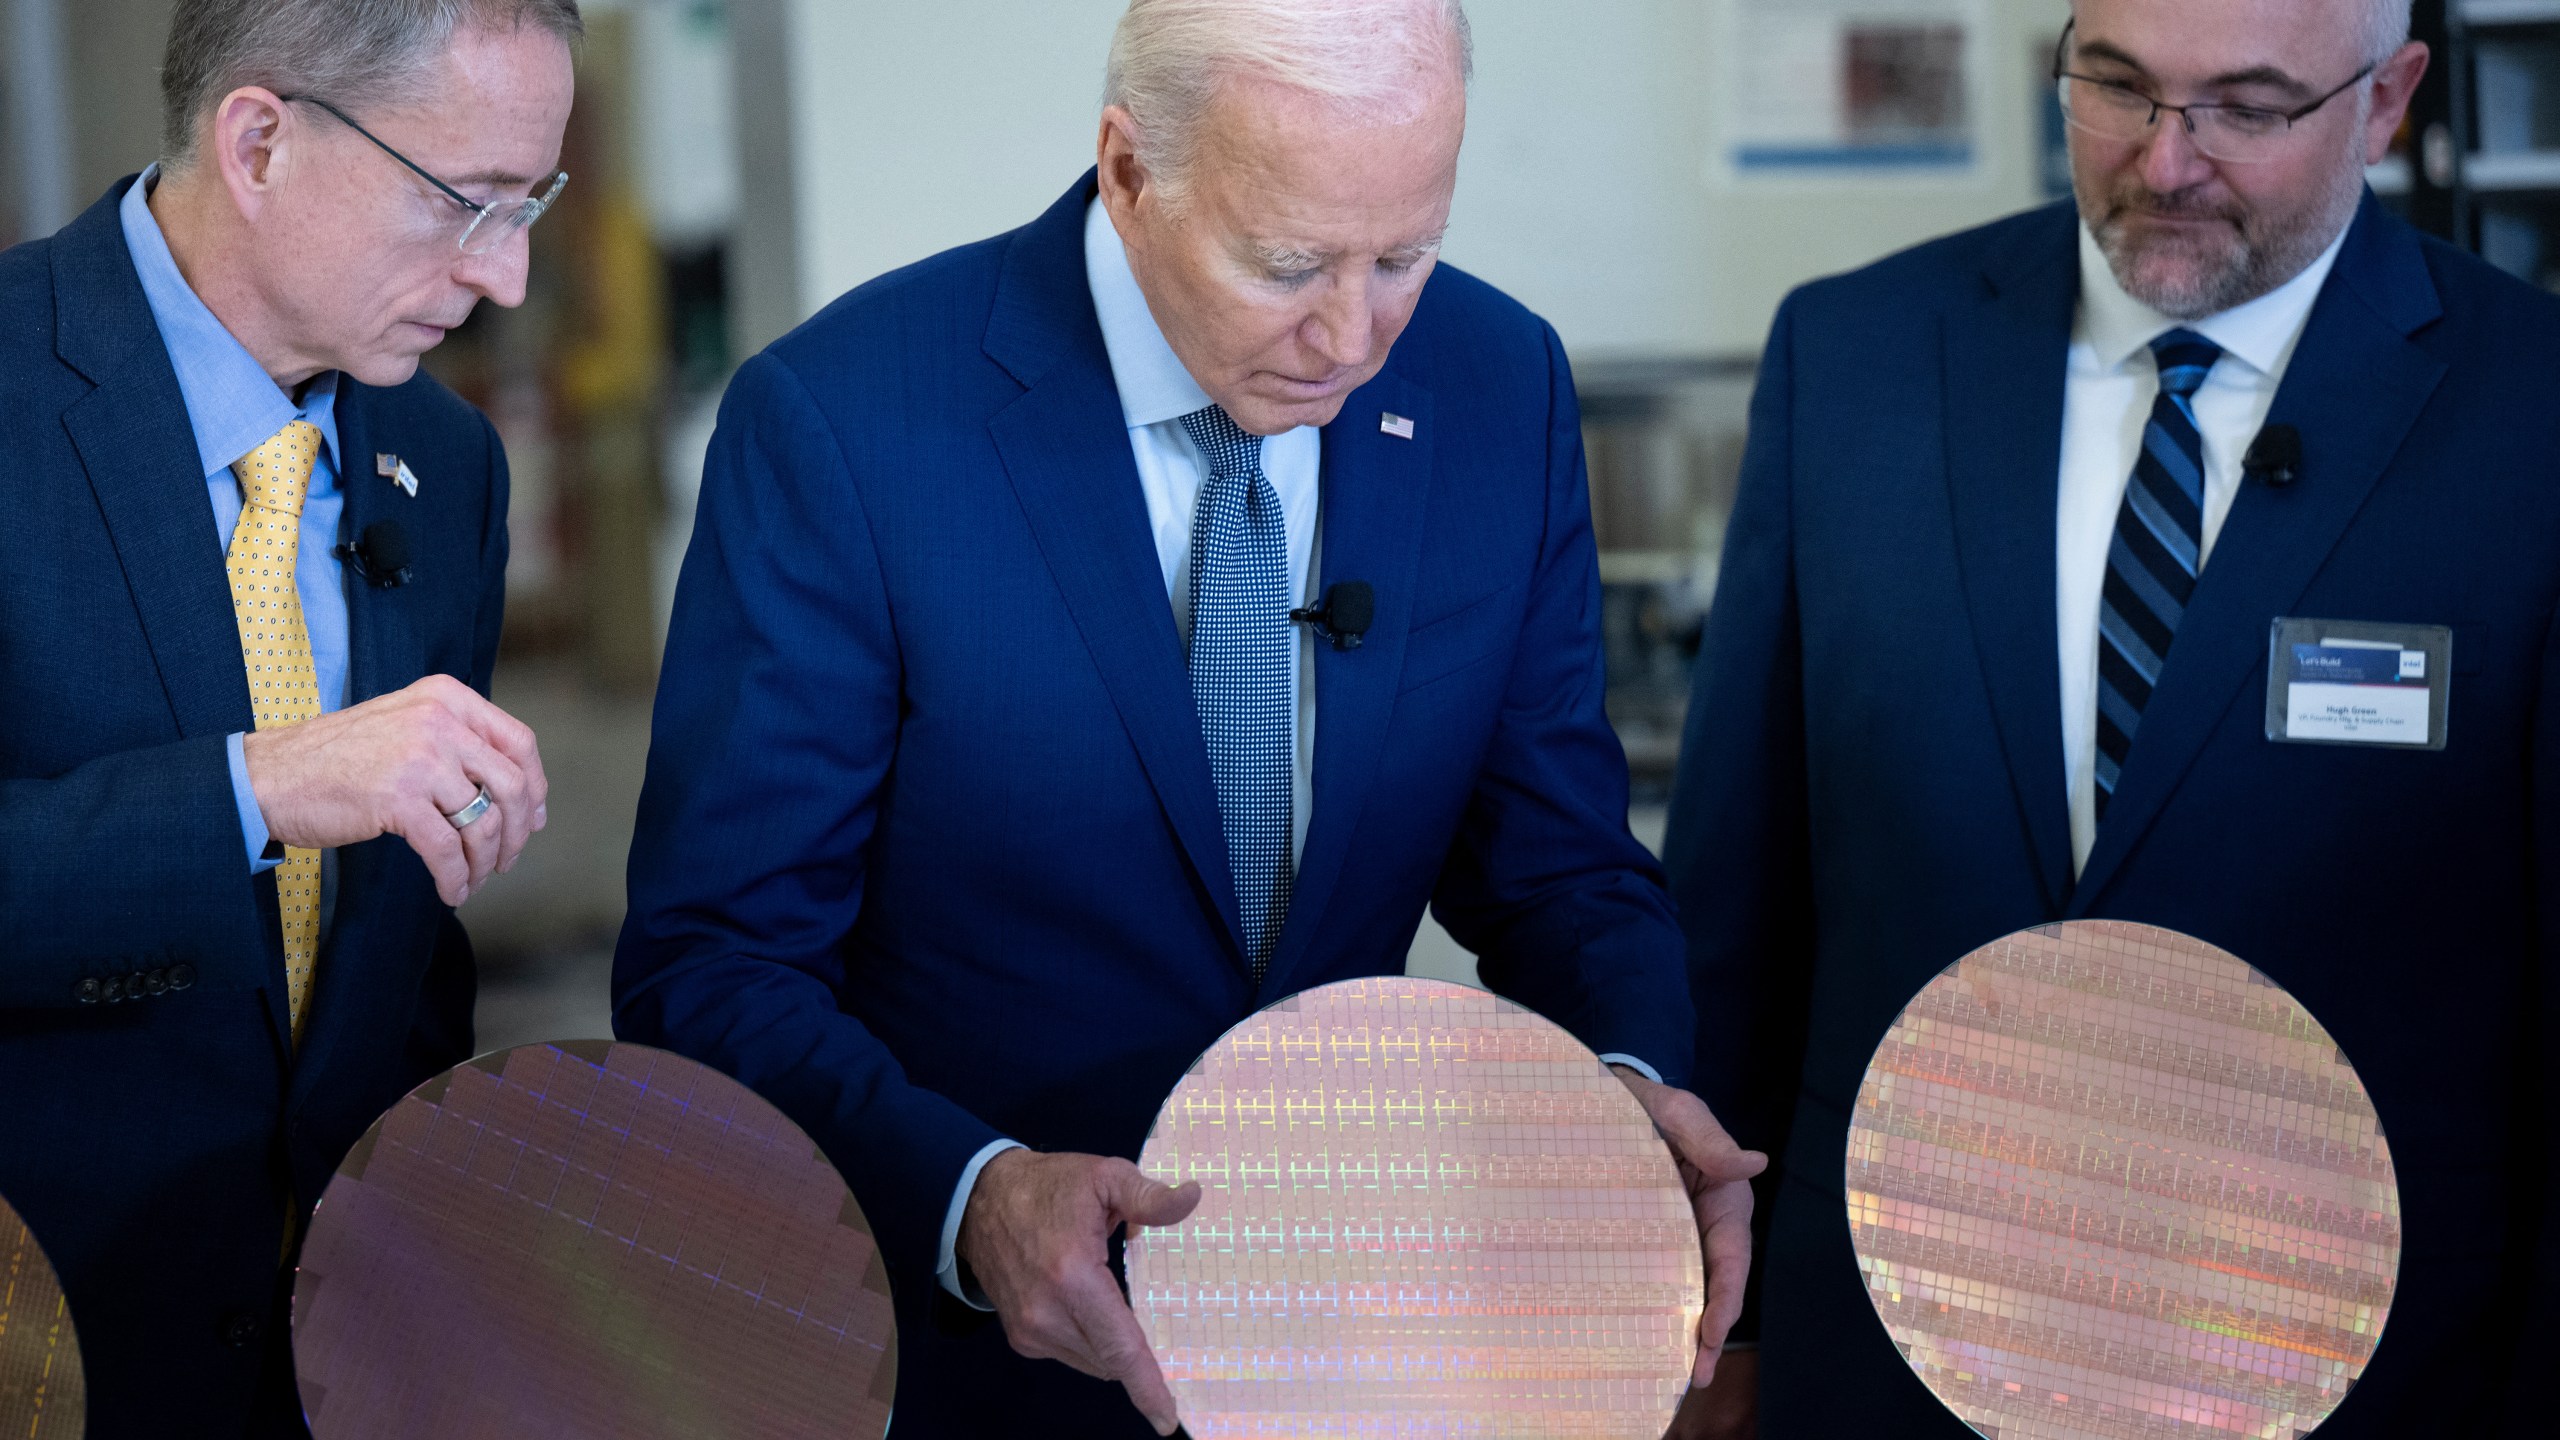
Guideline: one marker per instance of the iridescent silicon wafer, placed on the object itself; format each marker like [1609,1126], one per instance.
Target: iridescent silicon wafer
[2108,1181]
[43,1394]
[590,1240]
[1426,1212]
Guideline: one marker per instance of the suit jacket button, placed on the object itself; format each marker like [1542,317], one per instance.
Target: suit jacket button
[88,991]
[181,976]
[156,981]
[115,989]
[238,1329]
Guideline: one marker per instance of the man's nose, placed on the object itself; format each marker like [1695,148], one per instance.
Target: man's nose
[1339,328]
[499,275]
[2170,161]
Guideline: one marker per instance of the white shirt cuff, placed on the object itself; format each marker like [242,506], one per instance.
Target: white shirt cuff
[946,1267]
[1634,1064]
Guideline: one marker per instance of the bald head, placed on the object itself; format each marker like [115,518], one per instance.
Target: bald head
[2381,25]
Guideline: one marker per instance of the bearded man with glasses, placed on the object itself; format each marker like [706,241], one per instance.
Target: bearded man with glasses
[2021,511]
[248,611]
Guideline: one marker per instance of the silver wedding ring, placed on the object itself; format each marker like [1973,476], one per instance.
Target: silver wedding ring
[463,817]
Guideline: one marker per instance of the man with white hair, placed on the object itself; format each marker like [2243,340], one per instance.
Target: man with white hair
[2057,543]
[992,781]
[251,604]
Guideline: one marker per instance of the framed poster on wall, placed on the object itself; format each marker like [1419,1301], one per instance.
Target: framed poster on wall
[1863,88]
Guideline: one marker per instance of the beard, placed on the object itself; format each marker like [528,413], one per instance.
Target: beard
[2229,254]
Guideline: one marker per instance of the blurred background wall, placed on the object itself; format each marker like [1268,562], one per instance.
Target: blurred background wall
[1588,186]
[1652,175]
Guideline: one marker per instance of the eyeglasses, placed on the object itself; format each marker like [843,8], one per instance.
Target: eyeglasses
[492,224]
[2238,134]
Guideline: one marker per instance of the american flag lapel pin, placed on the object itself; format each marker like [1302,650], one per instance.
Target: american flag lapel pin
[397,471]
[1399,426]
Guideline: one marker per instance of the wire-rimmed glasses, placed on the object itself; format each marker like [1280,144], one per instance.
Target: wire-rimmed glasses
[493,223]
[2236,134]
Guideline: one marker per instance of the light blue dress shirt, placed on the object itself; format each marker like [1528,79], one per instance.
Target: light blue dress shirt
[1156,391]
[234,407]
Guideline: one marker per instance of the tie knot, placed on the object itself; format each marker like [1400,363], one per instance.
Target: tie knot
[1232,450]
[2185,359]
[277,475]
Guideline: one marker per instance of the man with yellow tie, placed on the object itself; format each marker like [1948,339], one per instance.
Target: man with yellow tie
[251,570]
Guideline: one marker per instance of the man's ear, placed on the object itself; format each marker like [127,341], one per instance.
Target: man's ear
[1122,175]
[2395,84]
[249,139]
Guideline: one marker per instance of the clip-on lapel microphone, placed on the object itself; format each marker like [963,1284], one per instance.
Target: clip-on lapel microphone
[1344,617]
[381,557]
[2275,457]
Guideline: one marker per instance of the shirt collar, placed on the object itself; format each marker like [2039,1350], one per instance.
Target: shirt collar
[2260,333]
[1154,386]
[233,405]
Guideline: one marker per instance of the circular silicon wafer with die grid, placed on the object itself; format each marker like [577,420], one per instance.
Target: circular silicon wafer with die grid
[2106,1181]
[1426,1211]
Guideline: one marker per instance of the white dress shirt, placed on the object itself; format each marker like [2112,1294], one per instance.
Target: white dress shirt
[1155,393]
[2107,399]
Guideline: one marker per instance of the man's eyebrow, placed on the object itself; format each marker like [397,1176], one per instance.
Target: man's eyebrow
[2267,75]
[1290,257]
[1287,257]
[495,179]
[1423,246]
[2270,76]
[2100,50]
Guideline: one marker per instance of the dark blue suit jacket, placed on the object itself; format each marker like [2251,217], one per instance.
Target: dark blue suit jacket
[155,1143]
[929,851]
[1873,779]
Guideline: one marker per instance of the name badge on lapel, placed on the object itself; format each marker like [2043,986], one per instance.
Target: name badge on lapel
[2345,682]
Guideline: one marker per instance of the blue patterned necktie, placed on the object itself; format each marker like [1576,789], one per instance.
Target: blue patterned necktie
[1240,648]
[2155,556]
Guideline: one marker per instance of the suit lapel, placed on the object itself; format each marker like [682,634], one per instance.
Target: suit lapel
[2007,354]
[384,651]
[134,441]
[2354,389]
[138,447]
[1066,451]
[1373,491]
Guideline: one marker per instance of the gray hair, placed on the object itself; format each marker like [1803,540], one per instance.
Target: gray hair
[344,51]
[1370,58]
[2386,28]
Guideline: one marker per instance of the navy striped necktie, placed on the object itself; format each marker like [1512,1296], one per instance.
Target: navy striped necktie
[1241,641]
[2157,552]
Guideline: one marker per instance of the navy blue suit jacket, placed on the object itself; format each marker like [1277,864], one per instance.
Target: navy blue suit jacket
[1873,777]
[154,1143]
[929,852]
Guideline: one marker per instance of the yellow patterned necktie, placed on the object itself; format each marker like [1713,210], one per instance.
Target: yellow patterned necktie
[284,689]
